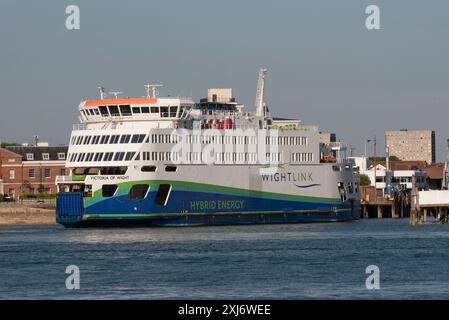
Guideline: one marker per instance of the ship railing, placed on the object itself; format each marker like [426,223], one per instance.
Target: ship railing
[62,179]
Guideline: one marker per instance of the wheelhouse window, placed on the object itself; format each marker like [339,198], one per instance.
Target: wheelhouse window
[104,111]
[113,110]
[164,112]
[173,111]
[145,109]
[138,191]
[125,109]
[108,190]
[136,109]
[154,110]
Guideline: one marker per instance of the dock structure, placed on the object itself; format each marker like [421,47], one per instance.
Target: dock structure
[433,202]
[396,206]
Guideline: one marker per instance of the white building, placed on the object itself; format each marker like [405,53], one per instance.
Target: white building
[387,181]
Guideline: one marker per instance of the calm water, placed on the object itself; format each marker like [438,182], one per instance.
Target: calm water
[274,261]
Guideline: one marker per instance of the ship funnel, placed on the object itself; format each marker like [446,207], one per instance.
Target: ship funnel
[260,96]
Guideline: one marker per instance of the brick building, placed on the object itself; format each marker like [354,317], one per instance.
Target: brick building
[31,169]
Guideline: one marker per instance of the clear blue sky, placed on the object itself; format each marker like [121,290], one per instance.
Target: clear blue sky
[324,66]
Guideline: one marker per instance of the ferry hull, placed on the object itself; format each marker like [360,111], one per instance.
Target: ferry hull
[120,211]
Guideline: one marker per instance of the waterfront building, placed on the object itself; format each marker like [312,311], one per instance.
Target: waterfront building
[31,169]
[411,144]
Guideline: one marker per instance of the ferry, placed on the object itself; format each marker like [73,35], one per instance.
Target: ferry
[153,161]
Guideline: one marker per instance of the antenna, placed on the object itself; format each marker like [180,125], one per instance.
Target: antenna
[102,92]
[153,88]
[260,95]
[115,93]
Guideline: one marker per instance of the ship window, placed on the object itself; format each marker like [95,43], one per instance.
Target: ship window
[171,168]
[98,156]
[145,109]
[95,139]
[104,111]
[114,139]
[113,170]
[125,109]
[129,156]
[173,111]
[119,156]
[125,138]
[154,109]
[138,191]
[164,112]
[114,110]
[89,156]
[162,194]
[96,111]
[86,140]
[148,169]
[138,138]
[81,157]
[104,139]
[108,156]
[108,190]
[136,110]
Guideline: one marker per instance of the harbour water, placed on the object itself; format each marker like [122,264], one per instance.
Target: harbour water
[295,261]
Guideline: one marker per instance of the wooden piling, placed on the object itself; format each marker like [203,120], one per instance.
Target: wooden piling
[379,212]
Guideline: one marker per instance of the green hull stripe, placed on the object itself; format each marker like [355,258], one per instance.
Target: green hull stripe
[179,185]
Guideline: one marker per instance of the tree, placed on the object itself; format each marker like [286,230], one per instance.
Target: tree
[393,158]
[9,144]
[365,180]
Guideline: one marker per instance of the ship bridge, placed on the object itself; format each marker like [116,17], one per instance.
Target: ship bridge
[134,109]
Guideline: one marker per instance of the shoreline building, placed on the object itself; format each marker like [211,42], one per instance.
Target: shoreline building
[31,169]
[411,145]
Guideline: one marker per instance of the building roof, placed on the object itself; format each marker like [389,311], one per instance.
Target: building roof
[405,164]
[434,171]
[38,152]
[8,153]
